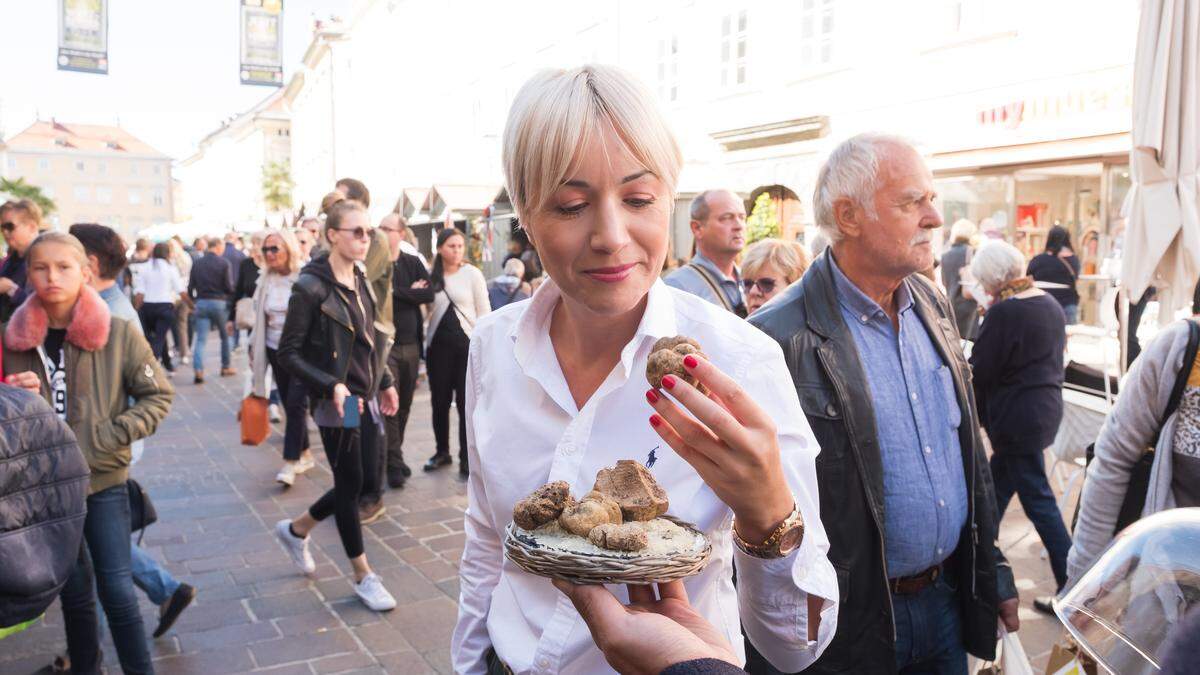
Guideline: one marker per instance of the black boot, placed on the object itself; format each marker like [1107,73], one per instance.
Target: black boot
[438,461]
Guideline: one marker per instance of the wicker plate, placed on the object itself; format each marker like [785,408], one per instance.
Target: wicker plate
[616,568]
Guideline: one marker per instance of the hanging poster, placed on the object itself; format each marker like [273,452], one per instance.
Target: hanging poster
[83,36]
[262,42]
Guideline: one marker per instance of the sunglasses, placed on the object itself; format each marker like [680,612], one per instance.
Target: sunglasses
[270,250]
[766,285]
[356,232]
[8,226]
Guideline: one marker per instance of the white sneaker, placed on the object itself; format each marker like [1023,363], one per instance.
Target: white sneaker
[296,547]
[287,475]
[371,591]
[306,462]
[273,413]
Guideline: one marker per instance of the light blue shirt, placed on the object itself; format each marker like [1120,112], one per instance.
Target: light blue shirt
[120,306]
[687,279]
[916,423]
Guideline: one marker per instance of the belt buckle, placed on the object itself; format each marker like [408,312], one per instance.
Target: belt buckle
[934,573]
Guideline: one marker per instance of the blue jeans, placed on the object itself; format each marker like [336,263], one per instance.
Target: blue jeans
[1072,312]
[1025,474]
[105,550]
[156,582]
[210,313]
[929,631]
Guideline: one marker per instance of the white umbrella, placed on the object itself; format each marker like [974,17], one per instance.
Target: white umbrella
[1162,238]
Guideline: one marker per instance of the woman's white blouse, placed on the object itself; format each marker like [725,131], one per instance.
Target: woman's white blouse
[158,281]
[523,429]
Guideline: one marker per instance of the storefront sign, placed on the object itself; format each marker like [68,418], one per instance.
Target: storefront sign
[83,36]
[262,42]
[1058,106]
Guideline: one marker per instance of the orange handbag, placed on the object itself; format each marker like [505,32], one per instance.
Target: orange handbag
[255,426]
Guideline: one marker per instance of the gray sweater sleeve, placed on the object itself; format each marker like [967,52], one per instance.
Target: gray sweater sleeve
[1127,431]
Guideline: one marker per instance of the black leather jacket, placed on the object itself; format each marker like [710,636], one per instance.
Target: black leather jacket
[43,488]
[824,363]
[318,334]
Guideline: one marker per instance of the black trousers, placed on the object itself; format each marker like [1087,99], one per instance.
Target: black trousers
[446,363]
[157,320]
[295,404]
[346,449]
[404,361]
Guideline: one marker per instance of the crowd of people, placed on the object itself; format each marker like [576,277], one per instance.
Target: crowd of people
[837,459]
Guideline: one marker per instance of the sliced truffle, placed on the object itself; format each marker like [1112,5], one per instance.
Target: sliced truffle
[666,358]
[625,537]
[633,487]
[542,506]
[594,509]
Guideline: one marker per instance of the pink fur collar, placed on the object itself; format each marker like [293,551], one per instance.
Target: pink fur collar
[90,323]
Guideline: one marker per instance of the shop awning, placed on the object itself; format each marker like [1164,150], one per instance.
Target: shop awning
[410,202]
[1031,153]
[460,199]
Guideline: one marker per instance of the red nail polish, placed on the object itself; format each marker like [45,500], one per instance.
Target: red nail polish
[668,381]
[690,361]
[652,397]
[655,420]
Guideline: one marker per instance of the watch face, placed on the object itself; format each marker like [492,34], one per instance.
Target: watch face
[791,539]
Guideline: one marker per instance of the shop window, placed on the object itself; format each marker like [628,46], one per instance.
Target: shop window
[733,49]
[1067,196]
[983,200]
[816,33]
[668,68]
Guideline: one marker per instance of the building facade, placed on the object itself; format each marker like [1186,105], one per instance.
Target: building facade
[222,182]
[94,173]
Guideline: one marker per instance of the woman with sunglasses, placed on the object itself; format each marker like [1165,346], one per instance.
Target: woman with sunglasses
[460,297]
[330,343]
[769,266]
[280,253]
[99,375]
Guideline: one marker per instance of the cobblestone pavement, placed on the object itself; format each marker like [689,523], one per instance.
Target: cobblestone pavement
[217,501]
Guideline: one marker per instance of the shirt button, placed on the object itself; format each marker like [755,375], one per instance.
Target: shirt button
[939,550]
[912,395]
[864,318]
[942,503]
[928,450]
[545,662]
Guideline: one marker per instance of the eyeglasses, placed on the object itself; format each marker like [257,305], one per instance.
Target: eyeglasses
[8,226]
[270,250]
[766,285]
[356,232]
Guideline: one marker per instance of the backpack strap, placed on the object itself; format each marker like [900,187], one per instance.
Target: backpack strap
[1181,378]
[712,285]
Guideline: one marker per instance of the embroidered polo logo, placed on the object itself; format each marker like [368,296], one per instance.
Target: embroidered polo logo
[149,372]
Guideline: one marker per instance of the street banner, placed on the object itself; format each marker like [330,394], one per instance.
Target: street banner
[262,42]
[83,36]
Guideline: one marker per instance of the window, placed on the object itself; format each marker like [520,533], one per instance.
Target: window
[816,33]
[81,193]
[133,168]
[733,49]
[135,196]
[12,163]
[104,194]
[159,198]
[668,68]
[158,169]
[101,167]
[79,166]
[48,190]
[43,164]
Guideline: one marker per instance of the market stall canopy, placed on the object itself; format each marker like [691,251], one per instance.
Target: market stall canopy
[460,199]
[411,201]
[1162,238]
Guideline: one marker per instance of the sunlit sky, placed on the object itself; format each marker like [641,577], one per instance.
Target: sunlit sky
[173,67]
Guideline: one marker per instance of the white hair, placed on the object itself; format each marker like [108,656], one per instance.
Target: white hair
[514,268]
[996,263]
[555,114]
[962,230]
[851,171]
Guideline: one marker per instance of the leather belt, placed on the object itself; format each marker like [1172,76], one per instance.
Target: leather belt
[911,585]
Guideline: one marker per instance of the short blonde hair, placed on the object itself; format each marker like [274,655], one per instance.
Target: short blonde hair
[788,257]
[962,230]
[555,114]
[290,244]
[996,263]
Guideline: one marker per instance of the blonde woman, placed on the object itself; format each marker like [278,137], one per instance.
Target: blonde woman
[280,253]
[769,266]
[556,390]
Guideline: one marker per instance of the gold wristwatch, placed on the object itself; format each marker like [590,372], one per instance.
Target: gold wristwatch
[783,540]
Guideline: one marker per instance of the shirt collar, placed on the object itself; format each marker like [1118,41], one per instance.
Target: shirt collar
[857,303]
[704,262]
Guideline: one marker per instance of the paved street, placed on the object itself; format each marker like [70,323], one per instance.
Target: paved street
[217,501]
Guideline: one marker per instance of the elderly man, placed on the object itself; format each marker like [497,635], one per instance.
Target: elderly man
[719,226]
[906,493]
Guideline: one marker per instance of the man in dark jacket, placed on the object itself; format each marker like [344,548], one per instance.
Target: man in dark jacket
[20,223]
[211,286]
[410,290]
[905,489]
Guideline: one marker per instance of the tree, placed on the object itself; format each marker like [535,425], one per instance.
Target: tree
[277,185]
[763,222]
[19,189]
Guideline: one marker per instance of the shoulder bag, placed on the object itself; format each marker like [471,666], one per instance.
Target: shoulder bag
[1139,476]
[142,513]
[715,287]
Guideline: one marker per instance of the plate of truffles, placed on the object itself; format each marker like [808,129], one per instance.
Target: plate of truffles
[618,533]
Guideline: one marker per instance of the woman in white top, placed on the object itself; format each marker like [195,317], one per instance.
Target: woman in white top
[281,266]
[460,297]
[556,390]
[159,285]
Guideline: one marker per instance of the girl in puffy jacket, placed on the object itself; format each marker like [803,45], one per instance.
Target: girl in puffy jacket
[99,375]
